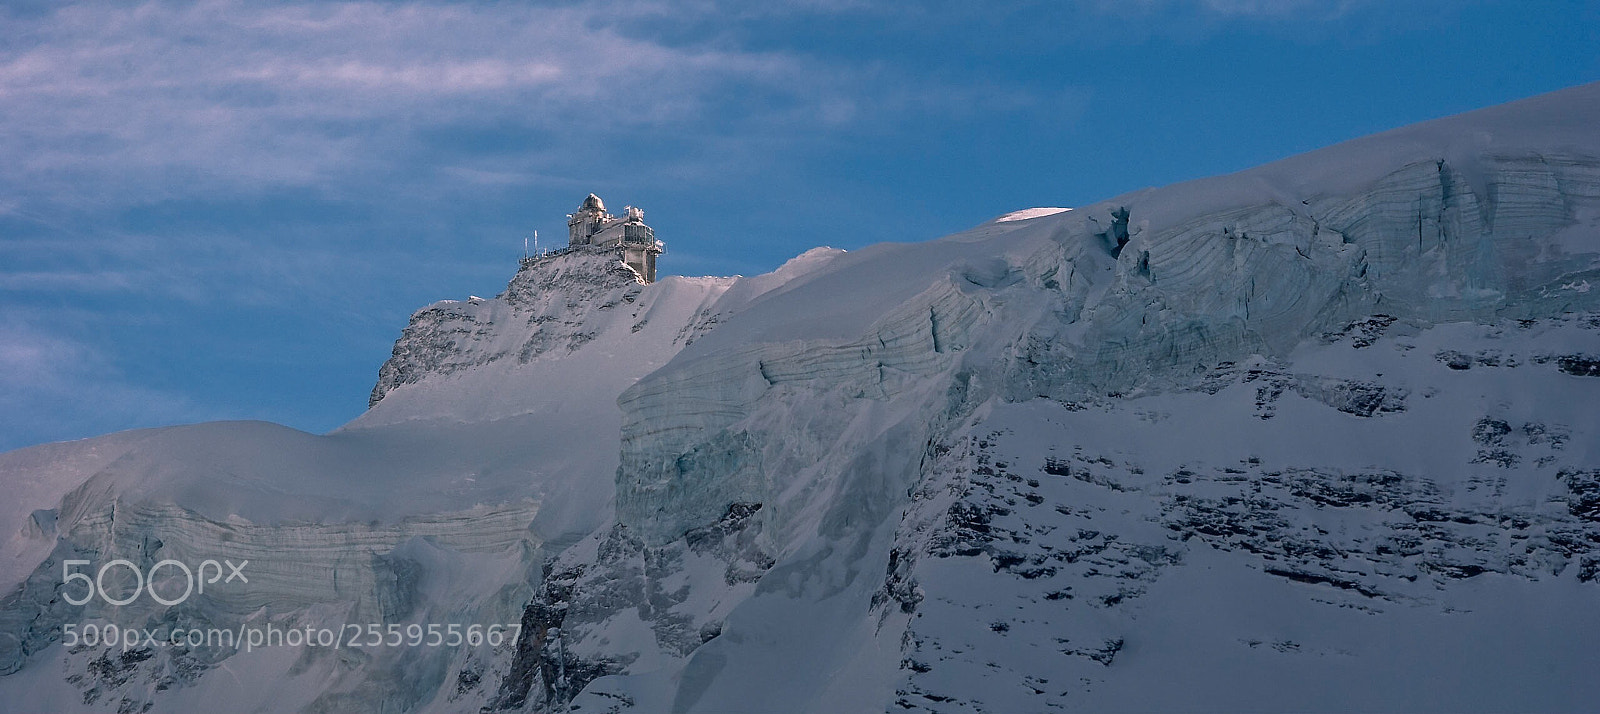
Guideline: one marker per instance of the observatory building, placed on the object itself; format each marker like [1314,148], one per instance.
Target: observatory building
[635,242]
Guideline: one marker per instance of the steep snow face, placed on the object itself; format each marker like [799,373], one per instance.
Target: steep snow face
[493,433]
[397,525]
[831,400]
[549,355]
[1390,504]
[1098,302]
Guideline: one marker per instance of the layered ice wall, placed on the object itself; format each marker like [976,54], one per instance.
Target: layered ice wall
[1099,301]
[1418,242]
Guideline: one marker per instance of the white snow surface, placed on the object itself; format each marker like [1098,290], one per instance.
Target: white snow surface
[1028,213]
[1314,436]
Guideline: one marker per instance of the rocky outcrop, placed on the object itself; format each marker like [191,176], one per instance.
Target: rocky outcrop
[1041,540]
[545,308]
[614,581]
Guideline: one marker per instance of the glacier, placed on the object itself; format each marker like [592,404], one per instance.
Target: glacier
[1315,436]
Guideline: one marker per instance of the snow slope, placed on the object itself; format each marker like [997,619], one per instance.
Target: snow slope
[836,403]
[1313,436]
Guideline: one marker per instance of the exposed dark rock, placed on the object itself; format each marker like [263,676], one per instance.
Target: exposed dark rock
[1579,365]
[1499,457]
[1454,360]
[1104,654]
[1457,571]
[1583,488]
[1490,432]
[468,680]
[1589,569]
[1116,235]
[622,574]
[1363,333]
[113,671]
[1321,579]
[899,584]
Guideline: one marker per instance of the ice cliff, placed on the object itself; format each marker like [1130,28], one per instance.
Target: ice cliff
[1313,436]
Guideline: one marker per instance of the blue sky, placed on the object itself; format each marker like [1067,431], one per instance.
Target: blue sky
[227,210]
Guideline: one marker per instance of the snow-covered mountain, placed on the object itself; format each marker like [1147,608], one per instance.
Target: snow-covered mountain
[1314,436]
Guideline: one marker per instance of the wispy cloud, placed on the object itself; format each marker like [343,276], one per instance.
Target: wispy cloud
[108,101]
[238,93]
[113,102]
[1313,9]
[1303,12]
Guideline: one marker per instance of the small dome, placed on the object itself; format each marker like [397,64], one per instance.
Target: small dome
[592,203]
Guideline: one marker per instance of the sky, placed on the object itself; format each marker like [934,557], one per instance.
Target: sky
[228,209]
